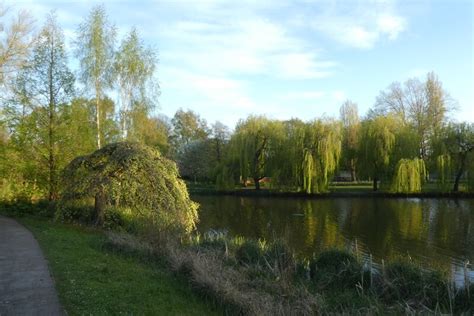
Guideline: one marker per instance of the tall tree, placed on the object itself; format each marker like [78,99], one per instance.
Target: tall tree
[15,42]
[459,141]
[94,47]
[253,142]
[421,105]
[134,67]
[220,135]
[46,84]
[351,124]
[187,126]
[321,154]
[378,135]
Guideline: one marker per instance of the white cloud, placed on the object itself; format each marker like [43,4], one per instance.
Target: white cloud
[215,91]
[391,25]
[248,46]
[360,24]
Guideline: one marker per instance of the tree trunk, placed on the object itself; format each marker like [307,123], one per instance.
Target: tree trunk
[257,183]
[462,160]
[353,171]
[51,110]
[99,208]
[376,180]
[97,118]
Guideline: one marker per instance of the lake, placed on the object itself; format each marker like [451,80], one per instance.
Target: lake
[439,232]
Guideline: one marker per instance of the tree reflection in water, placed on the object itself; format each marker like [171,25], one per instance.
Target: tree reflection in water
[437,231]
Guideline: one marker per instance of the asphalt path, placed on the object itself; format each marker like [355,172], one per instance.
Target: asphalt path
[26,286]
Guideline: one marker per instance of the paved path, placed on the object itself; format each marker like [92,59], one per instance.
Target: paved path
[26,287]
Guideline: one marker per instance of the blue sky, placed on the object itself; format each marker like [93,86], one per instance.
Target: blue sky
[228,59]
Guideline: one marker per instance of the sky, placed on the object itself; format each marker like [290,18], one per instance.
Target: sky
[284,59]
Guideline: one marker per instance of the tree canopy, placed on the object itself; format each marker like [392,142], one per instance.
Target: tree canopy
[133,179]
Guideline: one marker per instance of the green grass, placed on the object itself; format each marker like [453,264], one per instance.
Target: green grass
[349,188]
[92,280]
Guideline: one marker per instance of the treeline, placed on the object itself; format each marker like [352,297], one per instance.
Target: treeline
[404,142]
[50,115]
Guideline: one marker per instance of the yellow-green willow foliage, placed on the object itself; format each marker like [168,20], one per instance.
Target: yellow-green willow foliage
[376,146]
[409,176]
[132,180]
[443,164]
[321,155]
[254,142]
[287,160]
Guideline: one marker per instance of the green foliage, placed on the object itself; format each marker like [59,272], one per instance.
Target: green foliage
[43,87]
[94,47]
[350,136]
[254,143]
[250,252]
[443,163]
[134,179]
[375,148]
[323,141]
[335,268]
[225,179]
[406,281]
[409,176]
[134,70]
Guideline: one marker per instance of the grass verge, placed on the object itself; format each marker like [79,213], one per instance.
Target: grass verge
[91,279]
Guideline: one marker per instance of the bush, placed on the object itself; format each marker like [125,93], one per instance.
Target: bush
[131,178]
[407,282]
[336,269]
[250,252]
[22,207]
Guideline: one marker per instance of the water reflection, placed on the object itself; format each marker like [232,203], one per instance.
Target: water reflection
[438,231]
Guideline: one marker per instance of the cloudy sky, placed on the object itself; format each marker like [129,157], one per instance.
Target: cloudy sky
[228,59]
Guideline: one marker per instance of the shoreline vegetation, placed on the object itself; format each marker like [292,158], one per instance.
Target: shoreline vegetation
[232,274]
[338,191]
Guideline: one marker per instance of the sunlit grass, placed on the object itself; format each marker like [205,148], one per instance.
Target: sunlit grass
[92,280]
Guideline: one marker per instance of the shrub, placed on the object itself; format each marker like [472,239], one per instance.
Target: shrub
[336,269]
[407,282]
[132,178]
[250,252]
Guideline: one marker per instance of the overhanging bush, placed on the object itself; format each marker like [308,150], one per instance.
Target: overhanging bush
[133,179]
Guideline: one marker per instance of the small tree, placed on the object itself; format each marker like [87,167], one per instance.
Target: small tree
[133,179]
[321,154]
[459,142]
[409,175]
[376,145]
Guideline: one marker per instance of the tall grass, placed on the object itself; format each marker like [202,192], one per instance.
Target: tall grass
[254,277]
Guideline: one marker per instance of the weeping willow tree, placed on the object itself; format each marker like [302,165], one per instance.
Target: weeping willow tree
[444,167]
[134,180]
[286,161]
[376,146]
[409,175]
[321,154]
[253,143]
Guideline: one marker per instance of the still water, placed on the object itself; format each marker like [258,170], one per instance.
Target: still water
[439,232]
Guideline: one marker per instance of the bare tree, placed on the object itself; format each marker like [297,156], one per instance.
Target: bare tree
[15,42]
[422,105]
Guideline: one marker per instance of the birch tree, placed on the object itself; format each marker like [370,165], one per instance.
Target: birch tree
[134,68]
[94,47]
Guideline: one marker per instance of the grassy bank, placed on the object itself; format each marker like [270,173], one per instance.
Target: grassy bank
[104,272]
[93,279]
[258,278]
